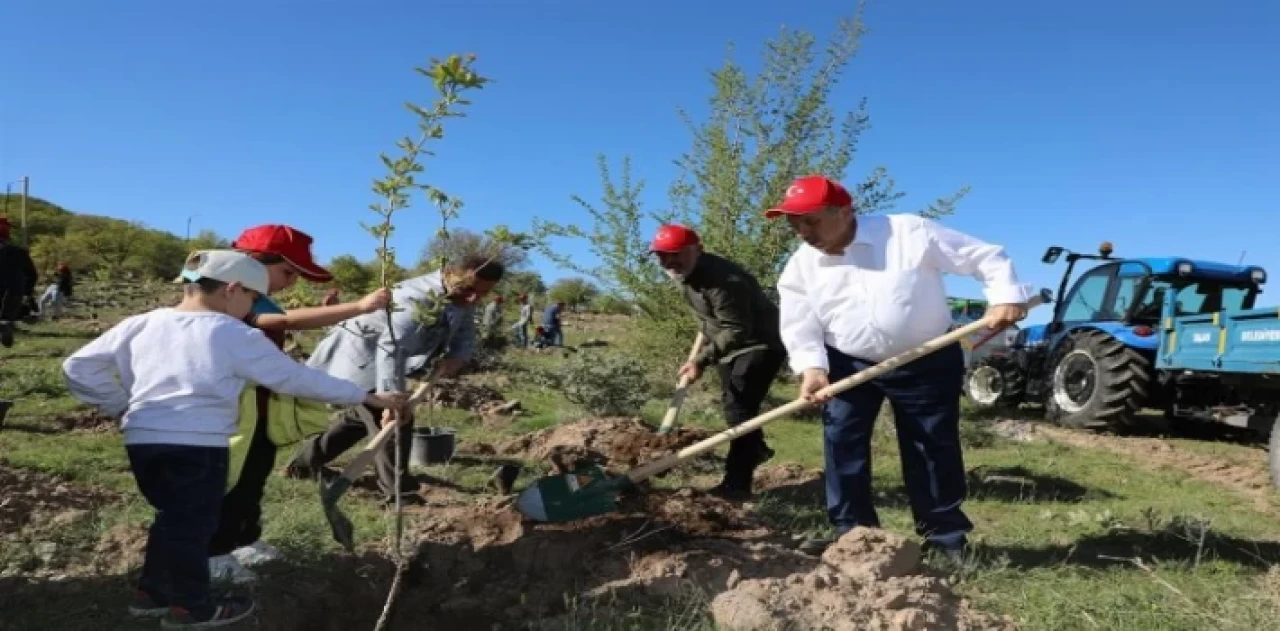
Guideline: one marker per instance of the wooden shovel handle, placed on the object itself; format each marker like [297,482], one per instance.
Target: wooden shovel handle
[682,386]
[370,450]
[937,343]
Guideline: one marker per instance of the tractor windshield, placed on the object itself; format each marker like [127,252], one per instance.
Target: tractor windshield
[1192,297]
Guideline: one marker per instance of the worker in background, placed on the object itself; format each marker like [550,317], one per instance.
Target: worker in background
[552,325]
[740,326]
[521,327]
[18,279]
[65,283]
[492,318]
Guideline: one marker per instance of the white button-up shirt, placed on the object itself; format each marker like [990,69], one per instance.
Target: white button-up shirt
[885,294]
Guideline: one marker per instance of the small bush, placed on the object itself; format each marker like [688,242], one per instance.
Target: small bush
[604,384]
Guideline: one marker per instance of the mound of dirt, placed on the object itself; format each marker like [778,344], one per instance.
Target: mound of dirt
[868,579]
[31,497]
[502,569]
[482,564]
[616,443]
[472,397]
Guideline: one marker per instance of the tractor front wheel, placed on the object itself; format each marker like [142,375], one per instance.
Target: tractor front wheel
[1097,382]
[995,382]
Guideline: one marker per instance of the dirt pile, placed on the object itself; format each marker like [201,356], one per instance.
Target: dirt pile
[501,569]
[472,397]
[483,565]
[868,580]
[618,443]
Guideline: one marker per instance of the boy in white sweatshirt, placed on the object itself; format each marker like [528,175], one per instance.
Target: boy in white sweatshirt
[180,371]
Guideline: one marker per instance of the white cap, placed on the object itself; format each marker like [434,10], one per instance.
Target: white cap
[227,266]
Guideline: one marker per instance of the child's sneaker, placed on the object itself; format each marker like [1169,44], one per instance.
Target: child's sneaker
[256,553]
[226,611]
[226,569]
[144,605]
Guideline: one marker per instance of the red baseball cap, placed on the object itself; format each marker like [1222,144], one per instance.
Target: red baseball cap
[809,195]
[671,237]
[292,245]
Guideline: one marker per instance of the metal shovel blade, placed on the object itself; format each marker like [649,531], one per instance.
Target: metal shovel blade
[344,531]
[584,492]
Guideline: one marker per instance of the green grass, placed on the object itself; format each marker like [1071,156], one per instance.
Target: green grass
[1065,537]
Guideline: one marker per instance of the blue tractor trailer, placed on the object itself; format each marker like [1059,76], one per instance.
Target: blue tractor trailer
[1176,335]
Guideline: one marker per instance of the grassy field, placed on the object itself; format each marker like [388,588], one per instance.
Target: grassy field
[1073,531]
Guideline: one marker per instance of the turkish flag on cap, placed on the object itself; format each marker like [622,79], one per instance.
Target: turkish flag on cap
[673,237]
[809,195]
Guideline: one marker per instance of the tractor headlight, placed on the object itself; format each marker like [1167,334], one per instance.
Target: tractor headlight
[1184,269]
[1258,276]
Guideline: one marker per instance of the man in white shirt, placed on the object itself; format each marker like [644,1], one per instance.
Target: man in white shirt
[861,290]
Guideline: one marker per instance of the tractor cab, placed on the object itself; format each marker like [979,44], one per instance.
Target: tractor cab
[1137,293]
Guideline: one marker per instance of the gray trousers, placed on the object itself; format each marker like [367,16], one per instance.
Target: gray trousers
[344,432]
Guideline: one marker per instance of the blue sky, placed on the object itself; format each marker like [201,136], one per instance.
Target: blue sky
[1151,124]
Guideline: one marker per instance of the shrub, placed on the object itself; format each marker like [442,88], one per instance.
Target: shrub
[604,384]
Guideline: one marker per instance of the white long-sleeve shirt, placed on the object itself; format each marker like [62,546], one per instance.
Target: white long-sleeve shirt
[180,374]
[885,294]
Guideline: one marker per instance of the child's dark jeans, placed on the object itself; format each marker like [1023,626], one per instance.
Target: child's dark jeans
[185,485]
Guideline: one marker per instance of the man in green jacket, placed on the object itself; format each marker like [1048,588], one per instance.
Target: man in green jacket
[740,327]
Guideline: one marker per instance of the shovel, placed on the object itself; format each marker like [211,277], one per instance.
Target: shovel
[587,491]
[682,389]
[339,523]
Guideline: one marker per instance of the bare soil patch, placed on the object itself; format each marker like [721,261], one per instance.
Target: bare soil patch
[476,398]
[616,443]
[1250,481]
[88,420]
[480,564]
[33,498]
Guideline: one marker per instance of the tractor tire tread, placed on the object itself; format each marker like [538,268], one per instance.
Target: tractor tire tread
[1122,387]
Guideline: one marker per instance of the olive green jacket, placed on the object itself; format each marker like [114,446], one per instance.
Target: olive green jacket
[735,314]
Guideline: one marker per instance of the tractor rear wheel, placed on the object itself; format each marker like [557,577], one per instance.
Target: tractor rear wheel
[1097,382]
[995,382]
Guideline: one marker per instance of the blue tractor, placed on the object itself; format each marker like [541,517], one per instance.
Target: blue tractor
[1112,347]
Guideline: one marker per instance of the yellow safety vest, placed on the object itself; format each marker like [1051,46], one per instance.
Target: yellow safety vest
[289,420]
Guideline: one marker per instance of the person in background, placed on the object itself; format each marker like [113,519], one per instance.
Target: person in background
[740,325]
[492,318]
[18,278]
[551,323]
[521,327]
[65,283]
[51,301]
[862,289]
[436,326]
[174,376]
[286,253]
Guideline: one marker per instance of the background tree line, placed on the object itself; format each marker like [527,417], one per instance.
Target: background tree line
[107,248]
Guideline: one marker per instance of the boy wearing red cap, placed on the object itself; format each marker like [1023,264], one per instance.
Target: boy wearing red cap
[286,253]
[863,289]
[740,325]
[18,278]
